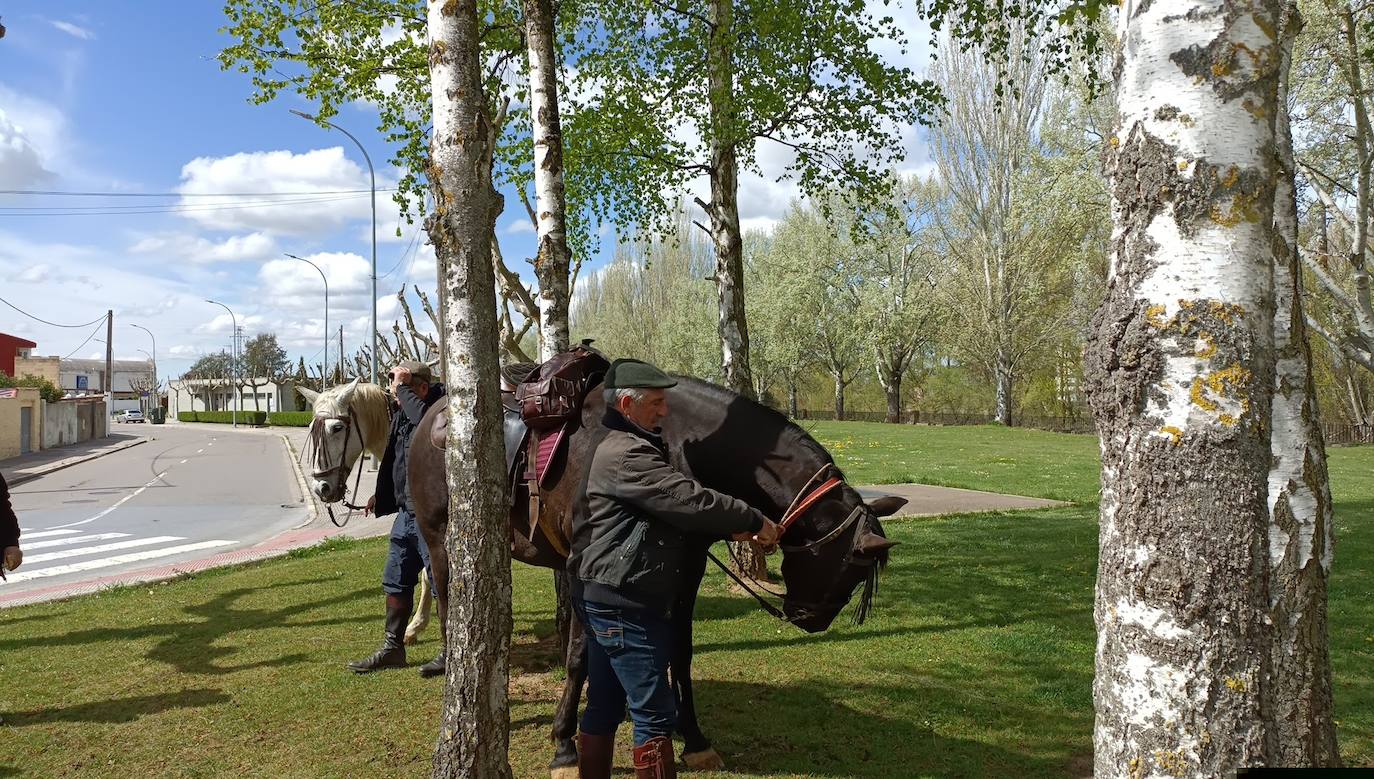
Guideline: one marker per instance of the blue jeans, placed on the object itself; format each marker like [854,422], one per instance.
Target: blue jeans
[406,557]
[627,663]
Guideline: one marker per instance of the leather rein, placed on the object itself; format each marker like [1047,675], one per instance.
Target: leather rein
[806,498]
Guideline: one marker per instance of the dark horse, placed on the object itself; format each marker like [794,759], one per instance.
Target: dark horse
[726,442]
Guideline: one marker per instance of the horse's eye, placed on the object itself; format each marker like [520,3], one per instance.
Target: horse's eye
[335,427]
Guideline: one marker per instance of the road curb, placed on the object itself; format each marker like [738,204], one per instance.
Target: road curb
[70,461]
[306,495]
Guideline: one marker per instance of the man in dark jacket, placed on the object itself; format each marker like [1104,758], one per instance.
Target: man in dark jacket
[10,555]
[626,562]
[414,390]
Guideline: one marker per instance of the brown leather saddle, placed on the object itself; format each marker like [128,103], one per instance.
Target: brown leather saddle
[539,418]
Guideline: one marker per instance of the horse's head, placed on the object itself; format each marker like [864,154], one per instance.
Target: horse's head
[344,426]
[837,545]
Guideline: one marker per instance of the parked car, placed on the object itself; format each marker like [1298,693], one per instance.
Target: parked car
[132,415]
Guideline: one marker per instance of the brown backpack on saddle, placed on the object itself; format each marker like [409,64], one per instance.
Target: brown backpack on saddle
[553,394]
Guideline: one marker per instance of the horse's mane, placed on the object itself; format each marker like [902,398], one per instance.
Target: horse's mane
[371,405]
[791,431]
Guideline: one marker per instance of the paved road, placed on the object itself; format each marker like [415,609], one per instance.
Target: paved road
[187,493]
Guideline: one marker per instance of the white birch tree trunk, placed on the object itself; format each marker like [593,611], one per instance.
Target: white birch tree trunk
[474,732]
[1300,526]
[1179,371]
[723,209]
[552,262]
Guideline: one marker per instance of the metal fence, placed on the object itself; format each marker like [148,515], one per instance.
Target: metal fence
[1335,434]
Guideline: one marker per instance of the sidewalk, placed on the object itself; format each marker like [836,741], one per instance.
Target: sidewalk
[27,467]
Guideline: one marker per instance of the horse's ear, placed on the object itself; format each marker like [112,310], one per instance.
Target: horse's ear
[308,394]
[873,545]
[886,506]
[347,395]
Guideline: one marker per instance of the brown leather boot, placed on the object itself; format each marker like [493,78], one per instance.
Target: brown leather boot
[654,759]
[595,755]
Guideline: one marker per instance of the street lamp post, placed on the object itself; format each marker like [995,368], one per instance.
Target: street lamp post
[156,384]
[326,311]
[373,177]
[233,363]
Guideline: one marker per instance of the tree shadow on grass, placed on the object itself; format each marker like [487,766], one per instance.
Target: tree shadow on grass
[192,646]
[815,730]
[117,710]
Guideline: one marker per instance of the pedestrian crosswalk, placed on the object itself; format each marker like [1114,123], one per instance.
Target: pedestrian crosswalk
[56,552]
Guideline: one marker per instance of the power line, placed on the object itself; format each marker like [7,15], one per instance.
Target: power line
[46,322]
[57,193]
[83,343]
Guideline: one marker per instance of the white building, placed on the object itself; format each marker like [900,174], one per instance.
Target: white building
[132,379]
[217,395]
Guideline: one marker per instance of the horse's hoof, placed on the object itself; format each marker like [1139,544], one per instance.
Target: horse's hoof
[411,638]
[706,760]
[563,772]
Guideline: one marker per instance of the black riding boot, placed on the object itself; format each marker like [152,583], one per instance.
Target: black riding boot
[393,651]
[435,667]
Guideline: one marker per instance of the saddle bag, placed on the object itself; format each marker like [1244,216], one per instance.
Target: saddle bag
[553,394]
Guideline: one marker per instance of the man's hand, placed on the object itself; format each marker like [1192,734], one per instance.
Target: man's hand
[399,378]
[371,504]
[13,557]
[769,534]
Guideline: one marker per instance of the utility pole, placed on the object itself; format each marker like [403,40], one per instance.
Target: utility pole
[109,366]
[341,365]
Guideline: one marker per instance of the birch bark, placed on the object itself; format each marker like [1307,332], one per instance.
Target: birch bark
[474,732]
[552,262]
[1180,373]
[1300,524]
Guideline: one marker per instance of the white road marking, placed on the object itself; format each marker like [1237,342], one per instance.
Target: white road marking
[106,562]
[44,534]
[62,554]
[117,504]
[69,541]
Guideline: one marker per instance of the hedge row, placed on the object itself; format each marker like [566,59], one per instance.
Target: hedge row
[223,417]
[291,418]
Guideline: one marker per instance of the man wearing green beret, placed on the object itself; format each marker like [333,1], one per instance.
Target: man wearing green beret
[626,562]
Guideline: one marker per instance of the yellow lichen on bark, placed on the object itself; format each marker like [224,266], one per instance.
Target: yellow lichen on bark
[1155,316]
[1199,396]
[1172,762]
[1175,434]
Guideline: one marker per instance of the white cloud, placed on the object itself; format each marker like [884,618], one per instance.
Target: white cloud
[259,181]
[22,164]
[196,249]
[520,225]
[73,30]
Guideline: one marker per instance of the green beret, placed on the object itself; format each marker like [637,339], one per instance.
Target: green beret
[636,374]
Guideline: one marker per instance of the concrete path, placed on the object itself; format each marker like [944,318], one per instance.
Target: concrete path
[924,500]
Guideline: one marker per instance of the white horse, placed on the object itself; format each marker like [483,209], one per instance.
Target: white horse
[350,419]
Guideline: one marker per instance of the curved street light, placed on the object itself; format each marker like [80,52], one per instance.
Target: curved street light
[156,383]
[326,309]
[233,363]
[373,200]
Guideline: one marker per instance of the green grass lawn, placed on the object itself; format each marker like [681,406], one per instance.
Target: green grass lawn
[978,661]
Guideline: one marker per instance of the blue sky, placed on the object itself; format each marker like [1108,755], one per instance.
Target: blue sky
[128,98]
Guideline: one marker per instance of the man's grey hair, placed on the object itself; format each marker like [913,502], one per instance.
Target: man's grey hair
[613,396]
